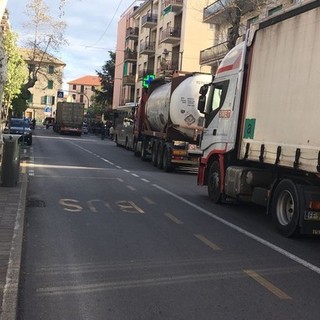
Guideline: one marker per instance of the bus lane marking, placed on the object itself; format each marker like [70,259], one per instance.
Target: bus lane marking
[267,285]
[242,231]
[129,207]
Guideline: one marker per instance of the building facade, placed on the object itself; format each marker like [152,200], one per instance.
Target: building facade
[82,89]
[217,13]
[161,37]
[43,100]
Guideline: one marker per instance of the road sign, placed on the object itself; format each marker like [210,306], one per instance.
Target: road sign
[60,94]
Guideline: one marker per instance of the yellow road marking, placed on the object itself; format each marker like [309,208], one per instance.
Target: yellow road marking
[173,218]
[207,242]
[267,284]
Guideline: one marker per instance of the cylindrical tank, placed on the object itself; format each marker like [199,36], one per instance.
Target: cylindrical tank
[181,107]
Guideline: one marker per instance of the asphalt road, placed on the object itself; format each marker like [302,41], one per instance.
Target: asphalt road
[109,236]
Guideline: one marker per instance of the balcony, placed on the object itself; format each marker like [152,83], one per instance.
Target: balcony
[213,54]
[129,80]
[132,33]
[218,11]
[148,48]
[144,72]
[130,56]
[172,6]
[168,67]
[149,21]
[170,35]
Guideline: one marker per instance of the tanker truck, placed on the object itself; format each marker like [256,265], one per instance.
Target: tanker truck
[261,140]
[168,124]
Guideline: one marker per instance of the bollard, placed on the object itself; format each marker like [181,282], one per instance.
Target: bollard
[10,166]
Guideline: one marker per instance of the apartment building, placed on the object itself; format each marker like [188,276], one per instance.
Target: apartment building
[217,13]
[82,89]
[43,101]
[161,37]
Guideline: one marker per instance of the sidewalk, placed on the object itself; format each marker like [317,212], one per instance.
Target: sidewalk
[12,210]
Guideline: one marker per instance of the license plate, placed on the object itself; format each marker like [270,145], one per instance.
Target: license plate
[312,215]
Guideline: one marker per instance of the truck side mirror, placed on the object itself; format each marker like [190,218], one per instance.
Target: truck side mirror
[201,103]
[202,99]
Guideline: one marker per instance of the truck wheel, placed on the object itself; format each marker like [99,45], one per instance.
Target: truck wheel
[166,163]
[144,151]
[154,154]
[285,208]
[160,155]
[135,149]
[214,182]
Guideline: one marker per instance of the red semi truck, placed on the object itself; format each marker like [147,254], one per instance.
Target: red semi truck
[168,124]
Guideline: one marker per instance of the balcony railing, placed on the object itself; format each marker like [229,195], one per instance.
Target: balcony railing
[132,33]
[130,56]
[172,6]
[129,80]
[168,67]
[170,35]
[148,48]
[217,12]
[149,21]
[213,54]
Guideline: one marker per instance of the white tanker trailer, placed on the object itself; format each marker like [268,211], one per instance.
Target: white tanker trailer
[168,123]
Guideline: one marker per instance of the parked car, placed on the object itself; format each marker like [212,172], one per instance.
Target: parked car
[21,127]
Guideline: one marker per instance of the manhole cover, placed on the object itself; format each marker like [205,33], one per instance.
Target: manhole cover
[35,203]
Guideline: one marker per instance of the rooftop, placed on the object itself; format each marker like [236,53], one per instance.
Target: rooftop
[87,81]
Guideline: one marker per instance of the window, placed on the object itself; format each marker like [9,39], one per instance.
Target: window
[74,97]
[50,84]
[30,100]
[51,69]
[215,99]
[274,10]
[82,88]
[74,87]
[251,21]
[44,100]
[81,98]
[93,88]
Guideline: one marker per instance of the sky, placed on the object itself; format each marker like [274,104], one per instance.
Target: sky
[91,32]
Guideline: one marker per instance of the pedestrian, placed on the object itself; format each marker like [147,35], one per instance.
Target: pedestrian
[111,132]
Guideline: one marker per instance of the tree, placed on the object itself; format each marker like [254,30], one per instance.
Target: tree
[104,96]
[46,36]
[16,71]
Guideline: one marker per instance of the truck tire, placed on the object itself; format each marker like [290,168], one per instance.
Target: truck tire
[135,149]
[144,156]
[166,163]
[160,155]
[285,208]
[154,154]
[214,179]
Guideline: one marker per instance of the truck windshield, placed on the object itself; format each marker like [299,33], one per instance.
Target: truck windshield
[216,98]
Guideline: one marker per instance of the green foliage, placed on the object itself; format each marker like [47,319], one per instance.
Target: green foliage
[104,96]
[16,69]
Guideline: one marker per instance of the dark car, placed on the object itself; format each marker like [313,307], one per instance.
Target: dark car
[21,127]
